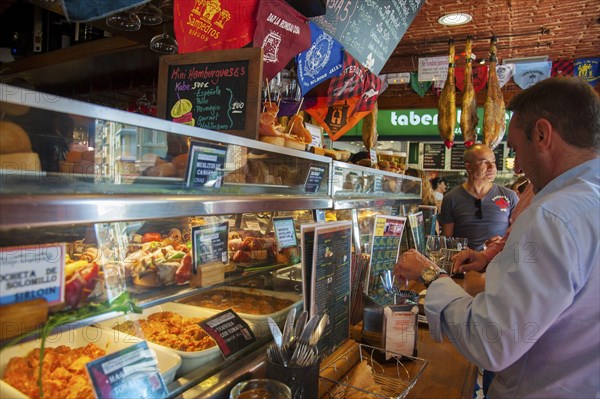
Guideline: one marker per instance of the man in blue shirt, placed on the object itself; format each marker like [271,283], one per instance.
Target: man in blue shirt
[537,322]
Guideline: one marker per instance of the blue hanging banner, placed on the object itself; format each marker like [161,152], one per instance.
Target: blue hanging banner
[588,69]
[85,11]
[528,74]
[321,61]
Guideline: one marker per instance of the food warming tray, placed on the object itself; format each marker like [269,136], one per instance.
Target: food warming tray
[189,360]
[168,362]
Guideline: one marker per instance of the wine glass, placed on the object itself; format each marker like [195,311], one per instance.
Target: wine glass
[164,43]
[435,247]
[149,14]
[124,20]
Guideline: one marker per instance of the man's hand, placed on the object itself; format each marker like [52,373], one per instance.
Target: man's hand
[410,265]
[469,260]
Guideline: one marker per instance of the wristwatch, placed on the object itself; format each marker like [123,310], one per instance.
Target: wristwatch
[430,274]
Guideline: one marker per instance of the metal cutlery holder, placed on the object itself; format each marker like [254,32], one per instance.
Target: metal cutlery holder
[303,381]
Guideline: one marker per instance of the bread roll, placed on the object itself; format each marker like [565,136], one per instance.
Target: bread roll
[73,156]
[13,139]
[296,145]
[180,163]
[276,140]
[89,156]
[14,109]
[20,161]
[162,170]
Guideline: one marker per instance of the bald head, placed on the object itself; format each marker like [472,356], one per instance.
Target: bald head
[475,151]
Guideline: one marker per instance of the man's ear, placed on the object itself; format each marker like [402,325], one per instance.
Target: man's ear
[543,133]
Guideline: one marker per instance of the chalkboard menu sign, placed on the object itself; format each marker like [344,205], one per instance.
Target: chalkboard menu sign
[216,90]
[434,156]
[456,156]
[499,153]
[369,29]
[457,162]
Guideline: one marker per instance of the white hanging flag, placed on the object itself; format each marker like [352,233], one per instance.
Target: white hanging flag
[505,72]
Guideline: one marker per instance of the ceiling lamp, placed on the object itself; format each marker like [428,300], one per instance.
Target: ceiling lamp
[455,19]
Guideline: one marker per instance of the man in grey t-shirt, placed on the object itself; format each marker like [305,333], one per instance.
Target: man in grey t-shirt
[478,209]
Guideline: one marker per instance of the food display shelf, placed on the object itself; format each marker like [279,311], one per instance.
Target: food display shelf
[41,207]
[56,210]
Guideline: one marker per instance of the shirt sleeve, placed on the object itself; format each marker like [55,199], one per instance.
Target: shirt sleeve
[446,211]
[521,283]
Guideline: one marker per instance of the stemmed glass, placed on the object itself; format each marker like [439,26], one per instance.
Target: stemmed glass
[149,14]
[125,20]
[435,247]
[164,43]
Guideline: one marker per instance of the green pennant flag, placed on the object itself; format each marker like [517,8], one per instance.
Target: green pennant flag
[419,87]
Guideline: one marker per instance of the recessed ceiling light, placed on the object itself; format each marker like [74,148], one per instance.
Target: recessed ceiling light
[455,19]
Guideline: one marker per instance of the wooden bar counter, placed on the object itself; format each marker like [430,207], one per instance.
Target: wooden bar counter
[448,375]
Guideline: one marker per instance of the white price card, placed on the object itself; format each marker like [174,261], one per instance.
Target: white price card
[32,271]
[285,232]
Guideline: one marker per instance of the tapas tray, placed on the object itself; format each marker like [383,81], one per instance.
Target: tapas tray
[168,361]
[189,360]
[219,300]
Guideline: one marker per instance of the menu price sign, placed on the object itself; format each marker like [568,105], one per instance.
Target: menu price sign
[434,156]
[216,90]
[369,30]
[206,164]
[230,332]
[128,373]
[330,281]
[385,249]
[209,244]
[457,156]
[313,179]
[285,232]
[31,272]
[457,161]
[417,229]
[499,153]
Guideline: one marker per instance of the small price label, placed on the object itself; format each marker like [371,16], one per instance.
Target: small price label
[128,373]
[313,179]
[230,332]
[209,244]
[285,232]
[205,166]
[373,156]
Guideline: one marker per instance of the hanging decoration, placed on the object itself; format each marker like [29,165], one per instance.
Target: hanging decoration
[324,59]
[480,77]
[528,74]
[337,118]
[505,73]
[85,11]
[563,68]
[282,32]
[419,87]
[213,25]
[588,69]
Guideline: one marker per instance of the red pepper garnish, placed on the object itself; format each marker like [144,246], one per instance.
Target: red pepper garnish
[81,284]
[149,237]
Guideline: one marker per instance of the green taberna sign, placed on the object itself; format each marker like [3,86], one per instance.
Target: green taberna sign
[414,123]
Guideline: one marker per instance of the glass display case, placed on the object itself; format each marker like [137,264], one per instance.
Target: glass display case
[123,218]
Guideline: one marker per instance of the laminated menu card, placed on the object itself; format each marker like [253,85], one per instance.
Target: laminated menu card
[385,249]
[326,273]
